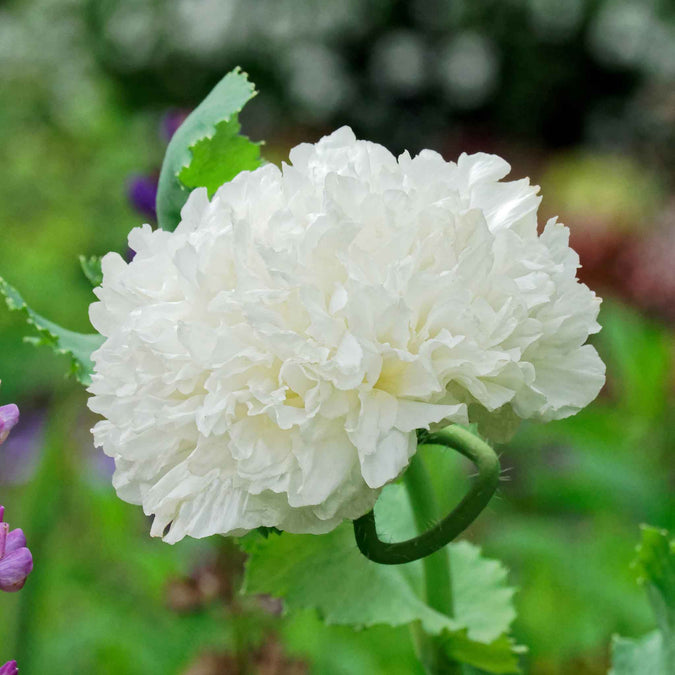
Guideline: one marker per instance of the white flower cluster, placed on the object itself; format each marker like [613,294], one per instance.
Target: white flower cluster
[269,361]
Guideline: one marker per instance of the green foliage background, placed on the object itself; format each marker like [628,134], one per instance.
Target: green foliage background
[565,524]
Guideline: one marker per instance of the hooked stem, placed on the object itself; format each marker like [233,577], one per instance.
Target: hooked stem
[435,538]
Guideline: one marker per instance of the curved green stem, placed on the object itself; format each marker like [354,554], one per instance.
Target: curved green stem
[427,543]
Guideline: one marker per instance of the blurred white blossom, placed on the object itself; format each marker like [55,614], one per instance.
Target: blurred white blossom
[399,61]
[317,78]
[468,67]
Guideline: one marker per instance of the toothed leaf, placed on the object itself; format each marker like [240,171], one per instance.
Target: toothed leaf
[77,346]
[329,574]
[219,159]
[207,149]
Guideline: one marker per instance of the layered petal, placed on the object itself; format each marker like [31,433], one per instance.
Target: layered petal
[269,362]
[9,418]
[15,566]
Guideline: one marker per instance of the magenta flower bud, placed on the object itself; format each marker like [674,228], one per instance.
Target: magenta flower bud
[9,668]
[16,561]
[9,416]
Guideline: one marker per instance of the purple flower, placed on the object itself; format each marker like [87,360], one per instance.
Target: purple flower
[9,668]
[142,193]
[9,416]
[16,561]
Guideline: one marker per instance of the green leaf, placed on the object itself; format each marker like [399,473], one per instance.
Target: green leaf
[484,603]
[77,346]
[656,566]
[219,159]
[207,149]
[329,574]
[482,599]
[653,654]
[638,657]
[92,269]
[498,656]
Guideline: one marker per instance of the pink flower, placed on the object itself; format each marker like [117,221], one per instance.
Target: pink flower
[9,668]
[9,416]
[16,561]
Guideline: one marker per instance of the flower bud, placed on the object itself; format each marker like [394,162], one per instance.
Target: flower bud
[9,416]
[16,561]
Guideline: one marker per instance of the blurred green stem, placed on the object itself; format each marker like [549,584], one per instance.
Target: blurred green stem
[437,572]
[437,576]
[43,512]
[438,584]
[231,559]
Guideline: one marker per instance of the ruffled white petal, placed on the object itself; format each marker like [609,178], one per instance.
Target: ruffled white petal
[269,362]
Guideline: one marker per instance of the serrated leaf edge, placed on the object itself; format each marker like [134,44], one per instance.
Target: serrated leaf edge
[15,302]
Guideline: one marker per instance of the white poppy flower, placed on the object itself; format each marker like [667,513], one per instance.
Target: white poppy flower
[269,361]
